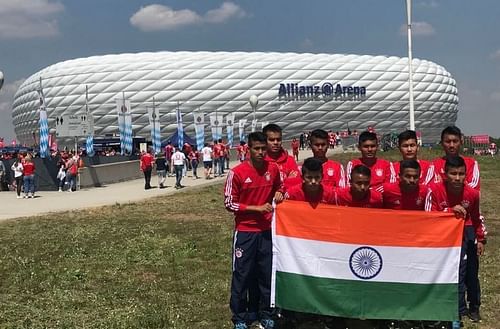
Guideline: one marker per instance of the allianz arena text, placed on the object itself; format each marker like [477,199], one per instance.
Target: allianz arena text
[297,91]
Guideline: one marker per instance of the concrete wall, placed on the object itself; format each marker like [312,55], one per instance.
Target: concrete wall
[99,175]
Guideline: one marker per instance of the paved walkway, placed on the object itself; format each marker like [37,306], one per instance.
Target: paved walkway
[130,191]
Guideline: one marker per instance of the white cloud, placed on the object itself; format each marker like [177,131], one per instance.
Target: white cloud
[29,19]
[157,17]
[225,12]
[418,29]
[306,43]
[6,99]
[427,4]
[496,55]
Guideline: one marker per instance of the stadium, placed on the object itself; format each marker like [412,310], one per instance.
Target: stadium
[297,91]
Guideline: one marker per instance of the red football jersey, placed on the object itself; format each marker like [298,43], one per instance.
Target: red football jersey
[297,193]
[395,199]
[169,150]
[426,171]
[333,174]
[290,174]
[438,199]
[471,176]
[343,197]
[245,185]
[381,171]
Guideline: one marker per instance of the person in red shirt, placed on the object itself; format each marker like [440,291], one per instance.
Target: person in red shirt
[295,148]
[169,150]
[359,193]
[29,177]
[408,147]
[217,148]
[249,192]
[380,168]
[455,195]
[242,151]
[276,154]
[407,193]
[146,166]
[333,171]
[311,190]
[451,141]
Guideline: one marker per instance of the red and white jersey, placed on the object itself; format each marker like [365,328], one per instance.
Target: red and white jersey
[169,150]
[426,171]
[207,153]
[218,151]
[333,174]
[245,185]
[381,172]
[395,199]
[297,193]
[438,199]
[472,177]
[290,174]
[343,197]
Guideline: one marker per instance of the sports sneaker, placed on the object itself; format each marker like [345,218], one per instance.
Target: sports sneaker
[474,316]
[267,324]
[240,325]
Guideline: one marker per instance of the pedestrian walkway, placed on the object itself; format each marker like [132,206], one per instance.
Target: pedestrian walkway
[125,192]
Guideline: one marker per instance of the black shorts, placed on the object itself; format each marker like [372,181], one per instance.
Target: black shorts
[207,164]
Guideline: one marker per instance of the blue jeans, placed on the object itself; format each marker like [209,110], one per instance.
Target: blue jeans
[178,174]
[71,180]
[29,184]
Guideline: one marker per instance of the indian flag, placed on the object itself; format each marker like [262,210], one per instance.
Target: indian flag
[366,263]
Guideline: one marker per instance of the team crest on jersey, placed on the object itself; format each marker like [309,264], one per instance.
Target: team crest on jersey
[465,204]
[248,180]
[419,201]
[268,176]
[238,252]
[330,172]
[379,172]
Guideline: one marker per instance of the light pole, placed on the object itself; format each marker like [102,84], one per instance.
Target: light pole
[410,67]
[253,100]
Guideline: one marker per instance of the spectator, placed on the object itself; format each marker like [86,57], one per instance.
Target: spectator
[17,168]
[161,169]
[29,177]
[146,166]
[178,162]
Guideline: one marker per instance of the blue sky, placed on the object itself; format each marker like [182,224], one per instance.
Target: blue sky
[460,35]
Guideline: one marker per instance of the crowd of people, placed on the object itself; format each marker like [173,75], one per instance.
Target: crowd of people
[449,183]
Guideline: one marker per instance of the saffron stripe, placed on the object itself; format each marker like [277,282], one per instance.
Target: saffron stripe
[376,227]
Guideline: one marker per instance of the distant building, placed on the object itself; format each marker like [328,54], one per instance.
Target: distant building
[297,91]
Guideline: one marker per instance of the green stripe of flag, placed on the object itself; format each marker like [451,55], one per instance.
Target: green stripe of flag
[365,299]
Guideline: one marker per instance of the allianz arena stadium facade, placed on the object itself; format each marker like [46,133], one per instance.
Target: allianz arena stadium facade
[300,92]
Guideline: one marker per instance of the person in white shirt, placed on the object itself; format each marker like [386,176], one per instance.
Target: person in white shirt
[207,160]
[178,160]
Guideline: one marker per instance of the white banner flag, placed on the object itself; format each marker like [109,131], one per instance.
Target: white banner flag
[216,125]
[254,125]
[241,129]
[229,128]
[199,127]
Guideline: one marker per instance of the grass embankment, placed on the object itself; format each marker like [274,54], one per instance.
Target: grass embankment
[161,263]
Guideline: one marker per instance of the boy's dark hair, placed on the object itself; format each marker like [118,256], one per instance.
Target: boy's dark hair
[318,133]
[367,136]
[406,135]
[256,136]
[361,169]
[272,127]
[312,164]
[451,130]
[454,162]
[242,143]
[220,140]
[410,163]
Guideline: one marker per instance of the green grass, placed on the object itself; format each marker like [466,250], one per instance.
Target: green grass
[161,263]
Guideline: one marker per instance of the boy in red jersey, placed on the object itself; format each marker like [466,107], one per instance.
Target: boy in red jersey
[359,193]
[454,195]
[311,190]
[333,172]
[146,166]
[249,191]
[276,154]
[380,168]
[242,151]
[169,150]
[451,141]
[407,193]
[408,146]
